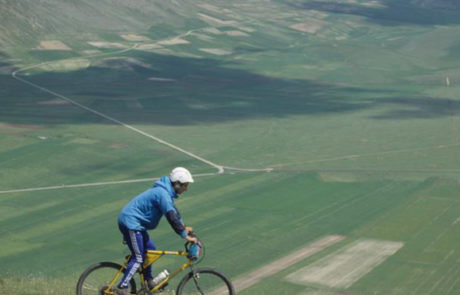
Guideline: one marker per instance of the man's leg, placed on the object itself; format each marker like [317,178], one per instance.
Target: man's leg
[135,241]
[148,245]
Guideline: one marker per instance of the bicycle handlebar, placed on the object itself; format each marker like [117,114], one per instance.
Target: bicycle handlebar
[194,254]
[186,245]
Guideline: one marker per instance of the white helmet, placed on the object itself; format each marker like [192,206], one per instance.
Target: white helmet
[182,175]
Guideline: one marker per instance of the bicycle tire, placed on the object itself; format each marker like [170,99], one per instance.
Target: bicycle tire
[91,284]
[207,281]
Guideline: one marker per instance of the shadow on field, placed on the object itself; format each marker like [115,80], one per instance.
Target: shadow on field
[393,12]
[422,108]
[5,67]
[169,90]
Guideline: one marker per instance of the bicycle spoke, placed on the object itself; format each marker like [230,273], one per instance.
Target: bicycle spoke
[205,283]
[195,279]
[96,279]
[97,282]
[90,287]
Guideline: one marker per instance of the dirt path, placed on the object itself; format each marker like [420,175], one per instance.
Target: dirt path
[346,266]
[64,186]
[274,267]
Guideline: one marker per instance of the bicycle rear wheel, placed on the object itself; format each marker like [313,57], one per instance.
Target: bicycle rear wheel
[207,281]
[96,278]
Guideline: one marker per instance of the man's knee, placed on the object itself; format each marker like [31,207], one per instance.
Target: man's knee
[138,258]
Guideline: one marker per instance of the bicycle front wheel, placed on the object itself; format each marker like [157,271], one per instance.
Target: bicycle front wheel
[207,281]
[96,279]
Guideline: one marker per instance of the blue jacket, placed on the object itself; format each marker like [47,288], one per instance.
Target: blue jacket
[145,211]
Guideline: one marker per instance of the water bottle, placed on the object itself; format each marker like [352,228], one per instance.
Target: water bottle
[161,276]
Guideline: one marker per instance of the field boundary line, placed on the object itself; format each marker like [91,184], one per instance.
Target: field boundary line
[276,266]
[64,186]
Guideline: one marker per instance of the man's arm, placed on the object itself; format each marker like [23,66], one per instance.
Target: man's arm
[175,221]
[173,218]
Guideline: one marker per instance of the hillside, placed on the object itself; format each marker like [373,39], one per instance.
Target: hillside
[24,24]
[302,120]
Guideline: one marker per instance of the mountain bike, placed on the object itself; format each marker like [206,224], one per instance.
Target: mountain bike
[100,278]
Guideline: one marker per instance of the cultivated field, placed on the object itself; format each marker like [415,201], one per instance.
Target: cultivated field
[303,121]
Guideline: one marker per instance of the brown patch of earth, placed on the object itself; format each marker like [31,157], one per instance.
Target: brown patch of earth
[247,29]
[6,128]
[173,41]
[52,45]
[210,7]
[66,65]
[100,44]
[236,33]
[122,63]
[310,27]
[274,267]
[133,37]
[91,52]
[215,21]
[347,265]
[215,51]
[148,46]
[373,4]
[203,37]
[56,101]
[213,31]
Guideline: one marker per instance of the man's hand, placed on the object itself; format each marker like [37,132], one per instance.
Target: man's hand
[190,239]
[188,229]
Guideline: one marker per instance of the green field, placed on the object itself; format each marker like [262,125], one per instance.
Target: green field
[353,104]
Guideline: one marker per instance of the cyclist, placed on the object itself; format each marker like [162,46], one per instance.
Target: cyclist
[143,213]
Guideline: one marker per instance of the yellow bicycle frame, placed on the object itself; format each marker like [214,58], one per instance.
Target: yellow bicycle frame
[150,257]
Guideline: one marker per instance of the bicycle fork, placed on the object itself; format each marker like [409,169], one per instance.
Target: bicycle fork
[196,277]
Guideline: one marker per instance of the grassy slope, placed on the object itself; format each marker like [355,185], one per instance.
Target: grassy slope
[62,233]
[424,220]
[363,101]
[26,23]
[65,232]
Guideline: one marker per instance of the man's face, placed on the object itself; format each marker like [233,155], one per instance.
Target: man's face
[182,188]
